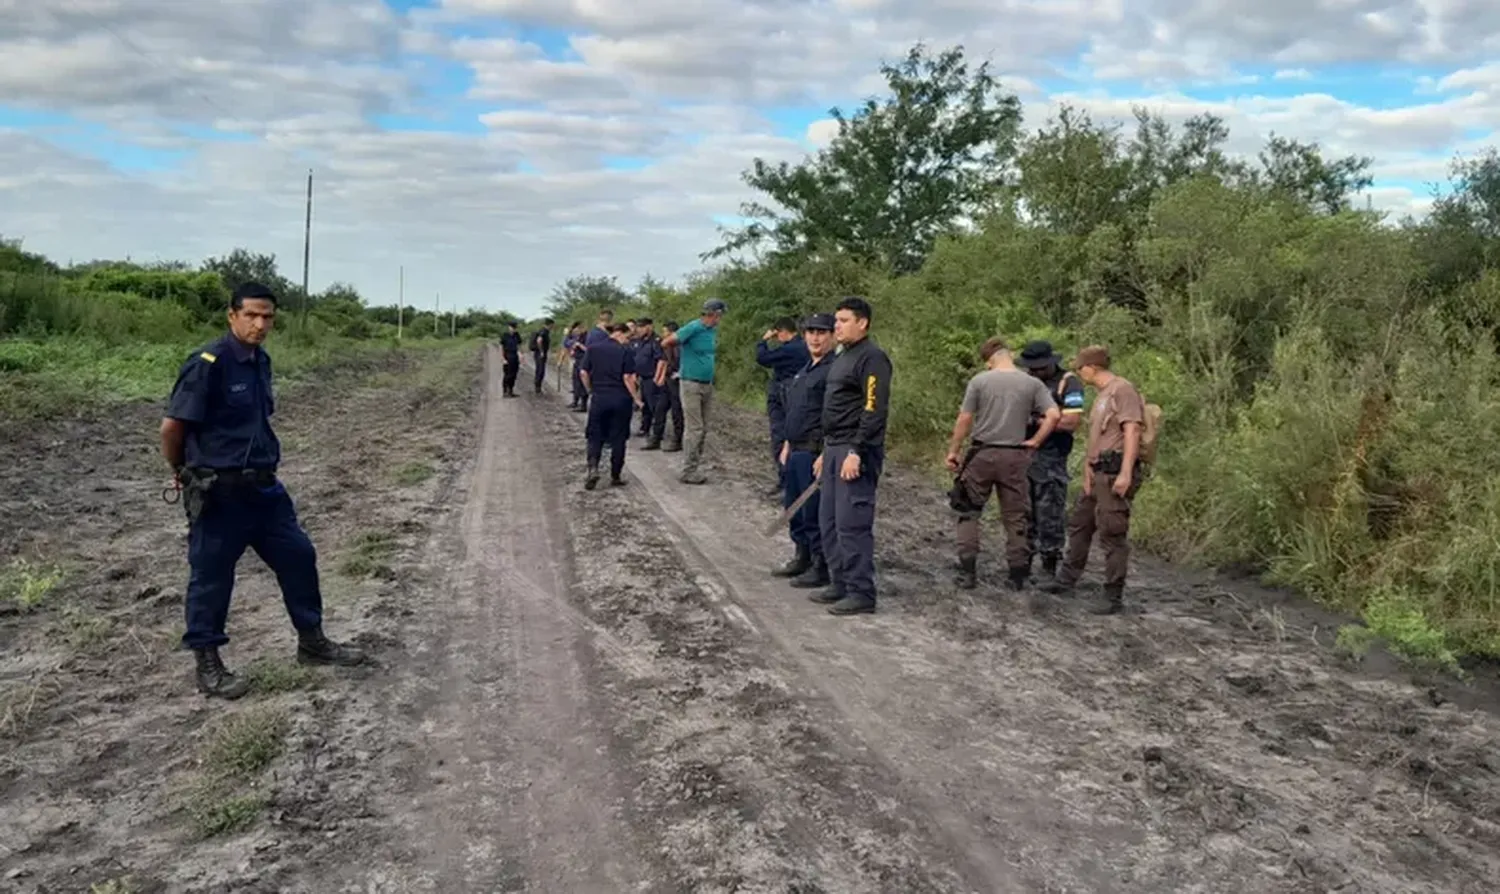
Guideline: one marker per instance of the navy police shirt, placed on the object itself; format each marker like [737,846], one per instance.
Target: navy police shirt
[510,343]
[223,394]
[647,353]
[608,363]
[785,361]
[804,401]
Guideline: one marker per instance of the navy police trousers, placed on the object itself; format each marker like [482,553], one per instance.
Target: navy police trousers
[803,524]
[846,516]
[266,521]
[609,420]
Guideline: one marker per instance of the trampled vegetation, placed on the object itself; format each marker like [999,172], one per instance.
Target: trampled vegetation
[1327,374]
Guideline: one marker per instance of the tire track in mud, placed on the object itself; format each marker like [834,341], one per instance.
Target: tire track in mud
[517,795]
[744,778]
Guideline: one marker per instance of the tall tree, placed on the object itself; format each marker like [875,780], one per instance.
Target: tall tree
[585,291]
[901,170]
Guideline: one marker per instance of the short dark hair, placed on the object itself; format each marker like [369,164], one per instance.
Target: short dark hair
[992,346]
[643,321]
[857,306]
[784,324]
[617,327]
[669,324]
[607,312]
[250,289]
[512,324]
[547,322]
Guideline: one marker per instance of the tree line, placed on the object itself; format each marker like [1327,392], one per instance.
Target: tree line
[1326,372]
[120,301]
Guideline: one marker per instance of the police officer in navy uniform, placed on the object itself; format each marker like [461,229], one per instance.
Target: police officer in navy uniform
[510,347]
[856,404]
[668,396]
[648,358]
[784,360]
[609,375]
[803,430]
[217,437]
[541,347]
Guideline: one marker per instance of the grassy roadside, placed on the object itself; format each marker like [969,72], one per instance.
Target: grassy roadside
[63,375]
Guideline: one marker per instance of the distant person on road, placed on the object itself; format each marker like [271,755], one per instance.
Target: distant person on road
[1111,477]
[699,343]
[856,405]
[1048,474]
[541,349]
[998,405]
[648,361]
[784,353]
[574,347]
[510,348]
[609,375]
[603,327]
[217,437]
[803,431]
[668,395]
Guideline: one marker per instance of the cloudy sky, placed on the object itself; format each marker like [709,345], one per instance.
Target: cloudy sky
[495,147]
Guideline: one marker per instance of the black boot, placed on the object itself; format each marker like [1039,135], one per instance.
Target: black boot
[853,605]
[968,572]
[215,680]
[315,648]
[1049,566]
[828,595]
[616,481]
[814,577]
[653,443]
[1113,602]
[674,445]
[797,564]
[1018,577]
[592,481]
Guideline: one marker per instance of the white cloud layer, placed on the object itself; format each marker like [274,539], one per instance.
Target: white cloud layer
[522,198]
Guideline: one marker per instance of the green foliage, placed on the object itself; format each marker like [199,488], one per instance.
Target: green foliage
[898,174]
[1327,377]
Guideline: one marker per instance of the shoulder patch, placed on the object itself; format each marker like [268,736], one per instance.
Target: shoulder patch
[207,357]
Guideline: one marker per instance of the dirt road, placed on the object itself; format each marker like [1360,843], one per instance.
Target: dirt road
[605,691]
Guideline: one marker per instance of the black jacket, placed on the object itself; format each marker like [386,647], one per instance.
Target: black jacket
[858,397]
[804,401]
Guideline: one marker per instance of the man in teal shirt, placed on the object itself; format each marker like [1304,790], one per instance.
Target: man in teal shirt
[699,341]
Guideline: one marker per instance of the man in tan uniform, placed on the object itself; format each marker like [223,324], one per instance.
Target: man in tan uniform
[1111,478]
[998,406]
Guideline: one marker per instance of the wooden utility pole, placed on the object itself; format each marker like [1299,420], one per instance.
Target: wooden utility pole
[437,302]
[401,303]
[306,247]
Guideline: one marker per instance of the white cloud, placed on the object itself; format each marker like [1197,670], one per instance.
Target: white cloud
[495,215]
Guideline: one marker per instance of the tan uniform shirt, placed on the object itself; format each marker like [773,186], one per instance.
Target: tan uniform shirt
[1117,403]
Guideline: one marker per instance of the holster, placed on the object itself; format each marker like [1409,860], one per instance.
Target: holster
[1111,463]
[197,488]
[958,497]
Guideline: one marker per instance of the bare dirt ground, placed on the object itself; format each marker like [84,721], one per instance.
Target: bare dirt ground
[605,691]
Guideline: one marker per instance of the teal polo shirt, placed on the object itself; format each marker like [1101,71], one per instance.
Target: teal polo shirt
[699,344]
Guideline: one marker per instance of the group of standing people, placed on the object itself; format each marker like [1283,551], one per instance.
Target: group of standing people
[1014,433]
[828,402]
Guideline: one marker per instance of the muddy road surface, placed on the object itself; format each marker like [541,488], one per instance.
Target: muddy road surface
[581,691]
